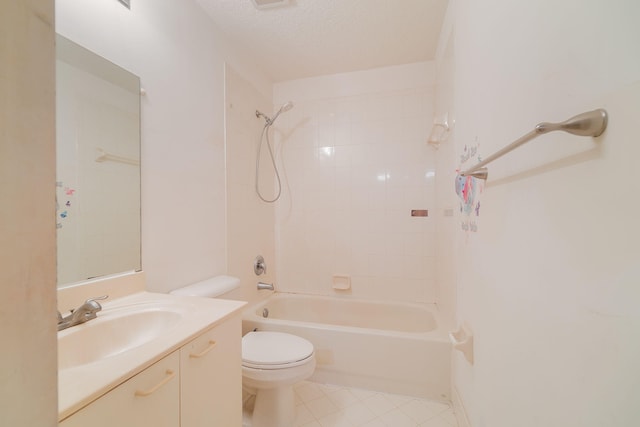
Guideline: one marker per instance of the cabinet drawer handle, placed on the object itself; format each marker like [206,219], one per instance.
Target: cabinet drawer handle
[170,374]
[212,344]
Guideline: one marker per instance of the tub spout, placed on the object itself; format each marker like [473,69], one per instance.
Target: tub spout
[267,286]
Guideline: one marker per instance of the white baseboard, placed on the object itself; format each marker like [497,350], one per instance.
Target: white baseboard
[458,407]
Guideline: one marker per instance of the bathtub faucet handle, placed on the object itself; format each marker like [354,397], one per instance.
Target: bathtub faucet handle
[265,286]
[259,266]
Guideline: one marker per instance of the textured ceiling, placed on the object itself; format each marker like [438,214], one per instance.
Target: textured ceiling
[316,37]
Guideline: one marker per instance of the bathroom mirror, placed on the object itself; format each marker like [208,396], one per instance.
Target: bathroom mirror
[98,165]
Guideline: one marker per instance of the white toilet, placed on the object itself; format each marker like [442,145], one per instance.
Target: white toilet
[272,362]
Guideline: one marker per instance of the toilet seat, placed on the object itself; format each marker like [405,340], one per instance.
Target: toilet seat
[274,350]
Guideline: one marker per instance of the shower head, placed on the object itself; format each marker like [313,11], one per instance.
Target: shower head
[285,107]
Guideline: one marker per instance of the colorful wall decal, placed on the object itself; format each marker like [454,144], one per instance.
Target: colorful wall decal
[469,190]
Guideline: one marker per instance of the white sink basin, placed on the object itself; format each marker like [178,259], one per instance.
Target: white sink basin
[130,334]
[112,334]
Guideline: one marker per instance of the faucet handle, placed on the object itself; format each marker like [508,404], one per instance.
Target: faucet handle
[259,266]
[98,298]
[94,302]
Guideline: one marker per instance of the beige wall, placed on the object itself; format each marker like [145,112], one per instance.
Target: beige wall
[180,58]
[28,380]
[549,282]
[446,199]
[250,222]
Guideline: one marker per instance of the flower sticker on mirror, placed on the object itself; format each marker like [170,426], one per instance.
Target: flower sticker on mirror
[65,193]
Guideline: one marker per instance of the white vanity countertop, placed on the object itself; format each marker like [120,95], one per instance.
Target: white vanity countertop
[80,385]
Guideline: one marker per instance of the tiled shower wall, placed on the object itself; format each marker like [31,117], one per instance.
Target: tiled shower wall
[354,163]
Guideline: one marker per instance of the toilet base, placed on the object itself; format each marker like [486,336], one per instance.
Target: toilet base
[248,399]
[274,407]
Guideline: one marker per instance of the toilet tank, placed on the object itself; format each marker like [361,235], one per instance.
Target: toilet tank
[209,288]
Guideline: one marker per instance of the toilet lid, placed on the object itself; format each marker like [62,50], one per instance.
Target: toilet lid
[269,349]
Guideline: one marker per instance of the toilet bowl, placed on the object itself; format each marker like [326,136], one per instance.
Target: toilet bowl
[272,362]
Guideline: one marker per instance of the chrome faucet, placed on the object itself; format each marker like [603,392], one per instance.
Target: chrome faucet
[265,286]
[87,311]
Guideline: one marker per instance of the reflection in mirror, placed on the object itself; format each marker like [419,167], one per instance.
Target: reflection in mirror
[98,165]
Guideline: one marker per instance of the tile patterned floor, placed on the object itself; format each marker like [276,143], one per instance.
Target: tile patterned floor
[325,405]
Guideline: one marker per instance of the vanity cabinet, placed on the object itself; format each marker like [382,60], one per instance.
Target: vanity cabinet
[151,398]
[198,385]
[211,378]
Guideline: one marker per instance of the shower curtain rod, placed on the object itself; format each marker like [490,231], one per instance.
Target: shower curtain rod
[591,123]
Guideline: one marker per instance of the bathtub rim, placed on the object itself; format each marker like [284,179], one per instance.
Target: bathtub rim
[440,333]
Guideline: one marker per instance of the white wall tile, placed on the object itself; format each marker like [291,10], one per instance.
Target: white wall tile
[356,192]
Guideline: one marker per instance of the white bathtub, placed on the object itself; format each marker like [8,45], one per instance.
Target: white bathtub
[391,347]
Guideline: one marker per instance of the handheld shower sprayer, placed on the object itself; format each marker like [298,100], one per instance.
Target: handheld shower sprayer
[265,133]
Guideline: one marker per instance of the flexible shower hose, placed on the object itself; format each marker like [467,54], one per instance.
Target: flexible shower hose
[265,131]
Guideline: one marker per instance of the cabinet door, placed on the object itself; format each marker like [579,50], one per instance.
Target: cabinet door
[211,378]
[151,398]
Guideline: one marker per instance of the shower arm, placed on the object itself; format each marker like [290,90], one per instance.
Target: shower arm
[592,123]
